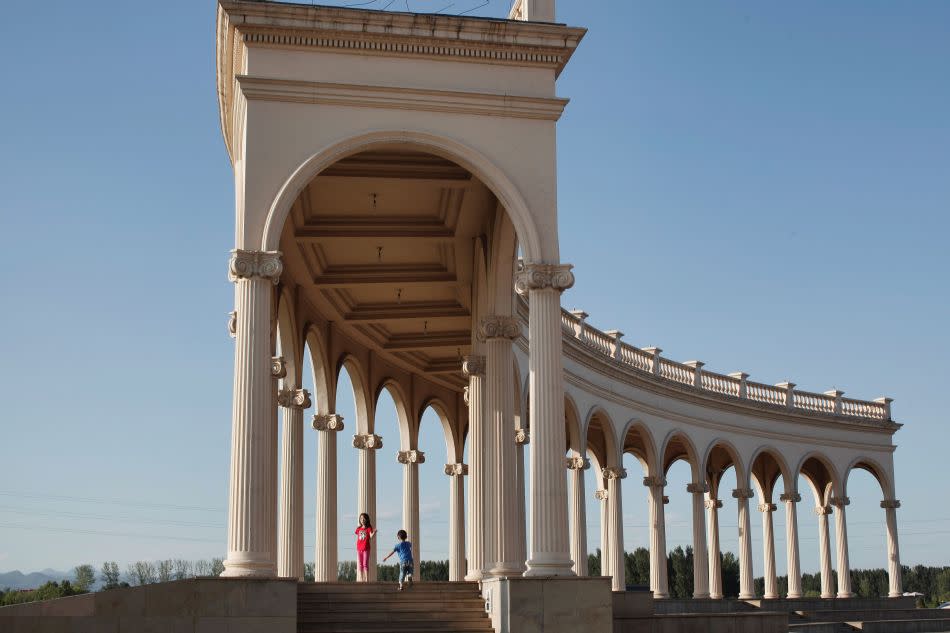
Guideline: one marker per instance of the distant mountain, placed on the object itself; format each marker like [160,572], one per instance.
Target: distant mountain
[18,580]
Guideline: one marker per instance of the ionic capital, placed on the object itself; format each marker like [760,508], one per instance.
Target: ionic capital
[255,264]
[666,499]
[543,276]
[697,488]
[294,398]
[767,507]
[522,436]
[456,470]
[888,504]
[232,323]
[577,462]
[743,493]
[654,481]
[411,457]
[823,510]
[794,498]
[278,367]
[473,365]
[614,472]
[600,495]
[368,441]
[712,504]
[327,422]
[499,327]
[840,502]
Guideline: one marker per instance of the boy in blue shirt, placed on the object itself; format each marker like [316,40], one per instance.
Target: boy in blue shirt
[403,549]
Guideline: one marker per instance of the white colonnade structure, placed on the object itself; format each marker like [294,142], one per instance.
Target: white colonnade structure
[380,211]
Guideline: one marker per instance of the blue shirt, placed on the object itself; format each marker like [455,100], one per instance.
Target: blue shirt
[403,549]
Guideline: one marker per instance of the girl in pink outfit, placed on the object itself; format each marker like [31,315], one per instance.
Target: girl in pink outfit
[364,532]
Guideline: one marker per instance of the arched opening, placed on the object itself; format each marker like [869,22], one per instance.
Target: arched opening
[817,482]
[769,474]
[437,442]
[680,464]
[867,485]
[723,472]
[639,460]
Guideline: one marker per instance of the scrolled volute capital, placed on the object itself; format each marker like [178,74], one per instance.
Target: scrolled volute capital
[522,436]
[600,495]
[499,327]
[456,470]
[411,457]
[232,323]
[368,441]
[890,504]
[473,365]
[278,367]
[712,504]
[614,472]
[823,510]
[654,481]
[767,507]
[794,498]
[840,502]
[576,462]
[543,276]
[255,264]
[743,493]
[327,422]
[697,488]
[294,398]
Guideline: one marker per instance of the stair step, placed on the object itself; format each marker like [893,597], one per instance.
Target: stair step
[402,627]
[390,616]
[410,606]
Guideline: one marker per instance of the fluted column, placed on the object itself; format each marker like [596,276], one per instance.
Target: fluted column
[480,515]
[327,425]
[577,465]
[612,476]
[700,557]
[292,402]
[549,547]
[497,332]
[252,495]
[601,495]
[522,438]
[715,562]
[746,586]
[659,580]
[895,589]
[824,552]
[768,547]
[367,444]
[410,497]
[791,545]
[456,520]
[841,541]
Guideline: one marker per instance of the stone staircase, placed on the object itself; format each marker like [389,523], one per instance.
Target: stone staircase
[871,620]
[425,607]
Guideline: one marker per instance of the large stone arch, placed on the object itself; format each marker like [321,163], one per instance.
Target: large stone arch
[408,432]
[508,195]
[713,471]
[453,444]
[288,337]
[877,470]
[607,449]
[824,483]
[678,445]
[324,377]
[645,451]
[364,403]
[764,475]
[575,439]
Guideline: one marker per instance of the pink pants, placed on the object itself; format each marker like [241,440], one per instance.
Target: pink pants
[362,559]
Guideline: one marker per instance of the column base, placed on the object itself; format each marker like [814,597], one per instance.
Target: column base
[474,574]
[660,596]
[250,565]
[845,595]
[772,596]
[746,596]
[715,596]
[793,596]
[895,595]
[827,596]
[504,569]
[542,566]
[701,596]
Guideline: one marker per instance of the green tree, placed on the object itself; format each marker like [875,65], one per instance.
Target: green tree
[308,574]
[680,572]
[593,563]
[85,578]
[346,571]
[109,575]
[730,575]
[217,567]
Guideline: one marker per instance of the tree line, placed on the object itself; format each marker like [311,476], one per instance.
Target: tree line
[933,582]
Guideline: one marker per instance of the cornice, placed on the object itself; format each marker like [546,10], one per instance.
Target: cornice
[355,95]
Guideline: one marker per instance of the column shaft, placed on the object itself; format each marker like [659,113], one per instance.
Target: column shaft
[577,465]
[252,496]
[290,563]
[659,579]
[893,550]
[824,552]
[841,541]
[326,541]
[768,545]
[791,545]
[521,523]
[456,472]
[549,547]
[700,555]
[715,562]
[601,495]
[366,489]
[410,505]
[615,528]
[480,515]
[746,586]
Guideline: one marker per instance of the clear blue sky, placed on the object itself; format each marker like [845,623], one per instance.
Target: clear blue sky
[763,186]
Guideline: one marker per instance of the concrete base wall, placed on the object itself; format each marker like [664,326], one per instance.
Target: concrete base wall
[705,623]
[633,603]
[549,605]
[827,604]
[207,605]
[704,605]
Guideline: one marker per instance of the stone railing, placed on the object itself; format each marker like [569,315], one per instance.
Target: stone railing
[649,364]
